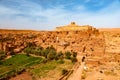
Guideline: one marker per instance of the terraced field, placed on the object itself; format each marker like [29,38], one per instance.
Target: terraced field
[16,64]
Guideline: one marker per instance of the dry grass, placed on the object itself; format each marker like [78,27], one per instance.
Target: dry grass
[51,70]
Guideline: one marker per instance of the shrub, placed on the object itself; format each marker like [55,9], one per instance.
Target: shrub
[61,61]
[45,52]
[27,50]
[2,52]
[68,55]
[2,55]
[74,59]
[59,55]
[64,71]
[51,48]
[51,55]
[74,54]
[44,61]
[27,54]
[12,52]
[37,52]
[30,44]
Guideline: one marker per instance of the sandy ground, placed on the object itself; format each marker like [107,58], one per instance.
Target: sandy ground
[110,29]
[101,76]
[23,76]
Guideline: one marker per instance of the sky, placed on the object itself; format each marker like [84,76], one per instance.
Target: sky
[48,14]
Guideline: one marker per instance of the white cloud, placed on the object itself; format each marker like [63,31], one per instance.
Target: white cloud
[7,11]
[40,18]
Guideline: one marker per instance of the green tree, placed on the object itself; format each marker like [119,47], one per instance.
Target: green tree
[59,55]
[68,55]
[40,48]
[27,50]
[51,55]
[74,59]
[45,52]
[30,44]
[12,52]
[51,48]
[2,55]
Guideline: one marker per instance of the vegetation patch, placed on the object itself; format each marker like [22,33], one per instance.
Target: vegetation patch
[49,62]
[2,55]
[16,64]
[54,63]
[52,69]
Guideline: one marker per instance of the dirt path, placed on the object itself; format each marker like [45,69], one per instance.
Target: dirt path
[77,73]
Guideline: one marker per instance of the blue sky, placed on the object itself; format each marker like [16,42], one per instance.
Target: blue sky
[48,14]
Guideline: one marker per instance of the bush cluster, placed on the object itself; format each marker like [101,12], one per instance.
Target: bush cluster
[2,55]
[50,53]
[64,71]
[71,55]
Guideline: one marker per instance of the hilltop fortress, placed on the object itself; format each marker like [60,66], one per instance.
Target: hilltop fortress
[74,27]
[82,39]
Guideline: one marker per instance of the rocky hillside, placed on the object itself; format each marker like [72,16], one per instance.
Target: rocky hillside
[89,42]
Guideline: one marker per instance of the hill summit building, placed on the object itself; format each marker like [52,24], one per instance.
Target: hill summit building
[74,27]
